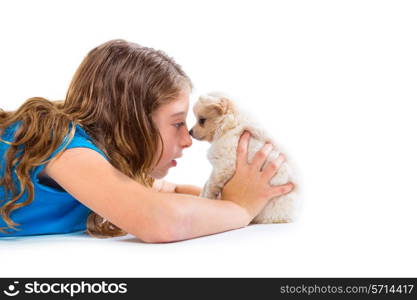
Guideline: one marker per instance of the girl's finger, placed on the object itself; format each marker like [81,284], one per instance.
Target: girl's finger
[282,189]
[273,166]
[242,148]
[261,156]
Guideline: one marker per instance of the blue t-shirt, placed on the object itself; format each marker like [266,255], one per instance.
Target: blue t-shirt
[53,210]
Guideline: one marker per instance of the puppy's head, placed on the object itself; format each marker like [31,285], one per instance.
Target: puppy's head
[215,114]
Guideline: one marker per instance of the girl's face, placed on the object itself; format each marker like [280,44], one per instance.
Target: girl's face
[171,122]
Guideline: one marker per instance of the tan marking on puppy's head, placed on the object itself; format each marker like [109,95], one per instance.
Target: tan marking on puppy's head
[215,114]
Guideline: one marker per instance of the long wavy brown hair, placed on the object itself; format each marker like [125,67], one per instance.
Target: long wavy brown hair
[112,96]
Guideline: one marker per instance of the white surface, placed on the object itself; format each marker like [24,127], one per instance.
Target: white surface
[334,80]
[296,250]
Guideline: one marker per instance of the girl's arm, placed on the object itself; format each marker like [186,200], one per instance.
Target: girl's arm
[149,215]
[166,217]
[169,187]
[188,189]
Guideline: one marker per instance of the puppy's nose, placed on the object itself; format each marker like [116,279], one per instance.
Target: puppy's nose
[191,132]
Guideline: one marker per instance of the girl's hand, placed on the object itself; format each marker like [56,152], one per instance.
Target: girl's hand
[249,187]
[163,186]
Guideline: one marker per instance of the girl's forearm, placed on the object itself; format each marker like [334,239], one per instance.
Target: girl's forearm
[170,187]
[188,189]
[193,216]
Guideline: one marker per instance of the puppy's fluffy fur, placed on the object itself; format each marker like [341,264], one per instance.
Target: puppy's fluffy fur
[221,123]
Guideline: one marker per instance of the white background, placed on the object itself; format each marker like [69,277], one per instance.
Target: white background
[333,81]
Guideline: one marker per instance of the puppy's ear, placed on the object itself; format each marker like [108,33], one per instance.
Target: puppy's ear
[222,106]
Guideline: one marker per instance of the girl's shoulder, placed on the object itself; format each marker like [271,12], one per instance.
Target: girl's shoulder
[83,140]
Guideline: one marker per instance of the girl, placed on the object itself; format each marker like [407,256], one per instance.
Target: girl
[96,160]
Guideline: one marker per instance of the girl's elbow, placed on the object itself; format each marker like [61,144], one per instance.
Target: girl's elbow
[169,229]
[158,236]
[157,239]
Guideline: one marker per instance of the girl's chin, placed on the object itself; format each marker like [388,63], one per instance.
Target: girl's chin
[159,174]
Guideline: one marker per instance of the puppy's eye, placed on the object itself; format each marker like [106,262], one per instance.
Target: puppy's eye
[201,121]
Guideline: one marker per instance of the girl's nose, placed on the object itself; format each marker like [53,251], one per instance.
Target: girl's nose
[187,141]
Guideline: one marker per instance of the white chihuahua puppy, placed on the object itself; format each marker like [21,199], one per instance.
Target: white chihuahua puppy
[221,123]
